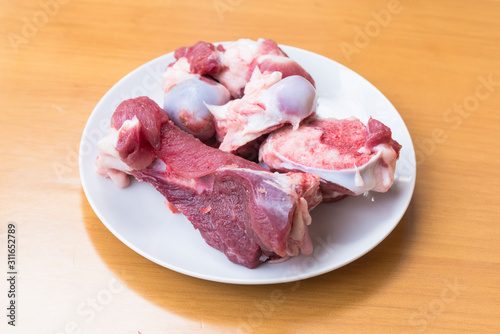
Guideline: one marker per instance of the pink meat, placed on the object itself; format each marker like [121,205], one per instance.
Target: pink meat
[239,207]
[136,144]
[149,114]
[350,158]
[379,133]
[285,65]
[189,83]
[203,58]
[239,61]
[234,65]
[242,57]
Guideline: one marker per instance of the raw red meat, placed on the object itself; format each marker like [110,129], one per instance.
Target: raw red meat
[203,58]
[204,74]
[239,207]
[350,158]
[234,64]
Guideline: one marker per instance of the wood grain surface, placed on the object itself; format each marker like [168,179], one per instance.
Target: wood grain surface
[438,62]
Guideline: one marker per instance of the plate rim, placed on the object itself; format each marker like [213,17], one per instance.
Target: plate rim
[238,281]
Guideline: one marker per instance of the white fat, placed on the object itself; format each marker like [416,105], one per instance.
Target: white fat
[364,150]
[359,180]
[243,50]
[107,145]
[332,195]
[243,120]
[236,60]
[175,74]
[219,112]
[260,81]
[158,166]
[385,174]
[106,162]
[109,163]
[108,154]
[299,240]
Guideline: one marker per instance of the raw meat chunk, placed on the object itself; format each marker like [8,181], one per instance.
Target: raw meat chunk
[185,104]
[205,74]
[203,58]
[242,57]
[239,207]
[349,157]
[134,135]
[188,87]
[234,64]
[269,103]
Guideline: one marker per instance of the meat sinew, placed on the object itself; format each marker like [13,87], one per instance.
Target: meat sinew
[238,207]
[349,157]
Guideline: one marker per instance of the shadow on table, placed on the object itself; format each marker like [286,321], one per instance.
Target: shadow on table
[246,308]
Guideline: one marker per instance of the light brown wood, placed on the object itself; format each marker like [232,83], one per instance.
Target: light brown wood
[438,62]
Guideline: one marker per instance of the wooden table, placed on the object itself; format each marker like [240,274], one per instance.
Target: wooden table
[438,62]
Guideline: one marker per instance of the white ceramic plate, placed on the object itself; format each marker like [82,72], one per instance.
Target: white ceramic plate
[341,232]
